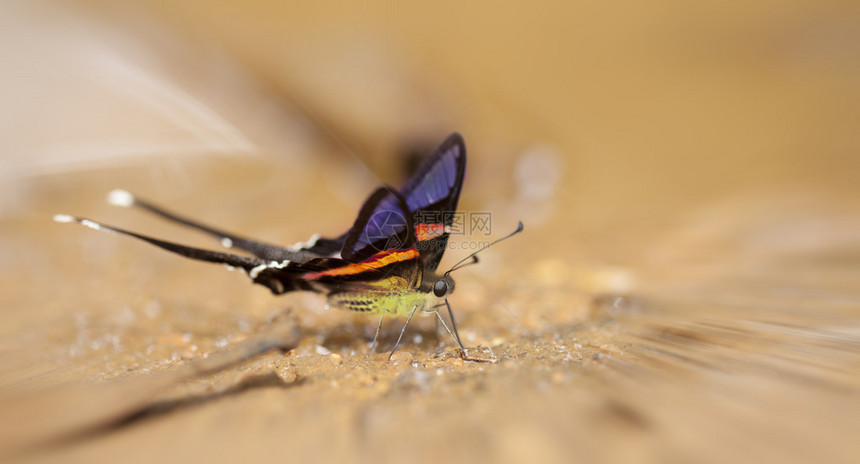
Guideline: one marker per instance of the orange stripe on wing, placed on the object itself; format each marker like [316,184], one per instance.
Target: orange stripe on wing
[381,259]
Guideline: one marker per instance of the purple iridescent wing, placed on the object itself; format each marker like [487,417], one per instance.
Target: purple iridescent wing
[431,195]
[381,226]
[438,180]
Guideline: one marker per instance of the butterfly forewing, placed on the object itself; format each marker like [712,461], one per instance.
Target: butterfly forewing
[431,195]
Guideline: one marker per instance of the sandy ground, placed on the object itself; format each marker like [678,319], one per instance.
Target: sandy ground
[685,289]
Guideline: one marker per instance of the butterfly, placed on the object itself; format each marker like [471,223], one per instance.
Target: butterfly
[385,264]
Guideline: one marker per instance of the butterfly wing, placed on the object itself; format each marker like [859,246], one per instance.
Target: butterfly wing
[380,268]
[384,223]
[431,197]
[380,255]
[377,256]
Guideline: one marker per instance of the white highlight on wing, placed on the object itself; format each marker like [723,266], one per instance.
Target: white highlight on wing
[83,222]
[65,218]
[91,224]
[226,243]
[120,197]
[277,265]
[300,245]
[256,270]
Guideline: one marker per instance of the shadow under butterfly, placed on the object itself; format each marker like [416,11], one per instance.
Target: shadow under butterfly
[385,264]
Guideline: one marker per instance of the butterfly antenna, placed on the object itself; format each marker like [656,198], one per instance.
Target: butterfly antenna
[463,263]
[460,266]
[475,258]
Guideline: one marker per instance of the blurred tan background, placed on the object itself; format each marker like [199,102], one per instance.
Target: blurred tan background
[686,288]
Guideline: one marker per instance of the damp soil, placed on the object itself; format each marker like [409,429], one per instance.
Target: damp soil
[601,363]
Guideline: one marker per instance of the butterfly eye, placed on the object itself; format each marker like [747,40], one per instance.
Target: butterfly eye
[440,288]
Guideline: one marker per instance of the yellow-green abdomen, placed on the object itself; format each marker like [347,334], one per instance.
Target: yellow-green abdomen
[395,303]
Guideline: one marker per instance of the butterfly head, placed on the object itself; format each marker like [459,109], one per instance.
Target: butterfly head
[443,286]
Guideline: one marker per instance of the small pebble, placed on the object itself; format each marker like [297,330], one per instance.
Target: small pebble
[401,357]
[480,354]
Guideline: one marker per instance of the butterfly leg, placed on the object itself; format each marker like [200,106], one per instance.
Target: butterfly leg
[402,331]
[374,343]
[454,334]
[454,325]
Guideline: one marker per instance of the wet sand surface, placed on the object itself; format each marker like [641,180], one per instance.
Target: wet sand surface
[685,290]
